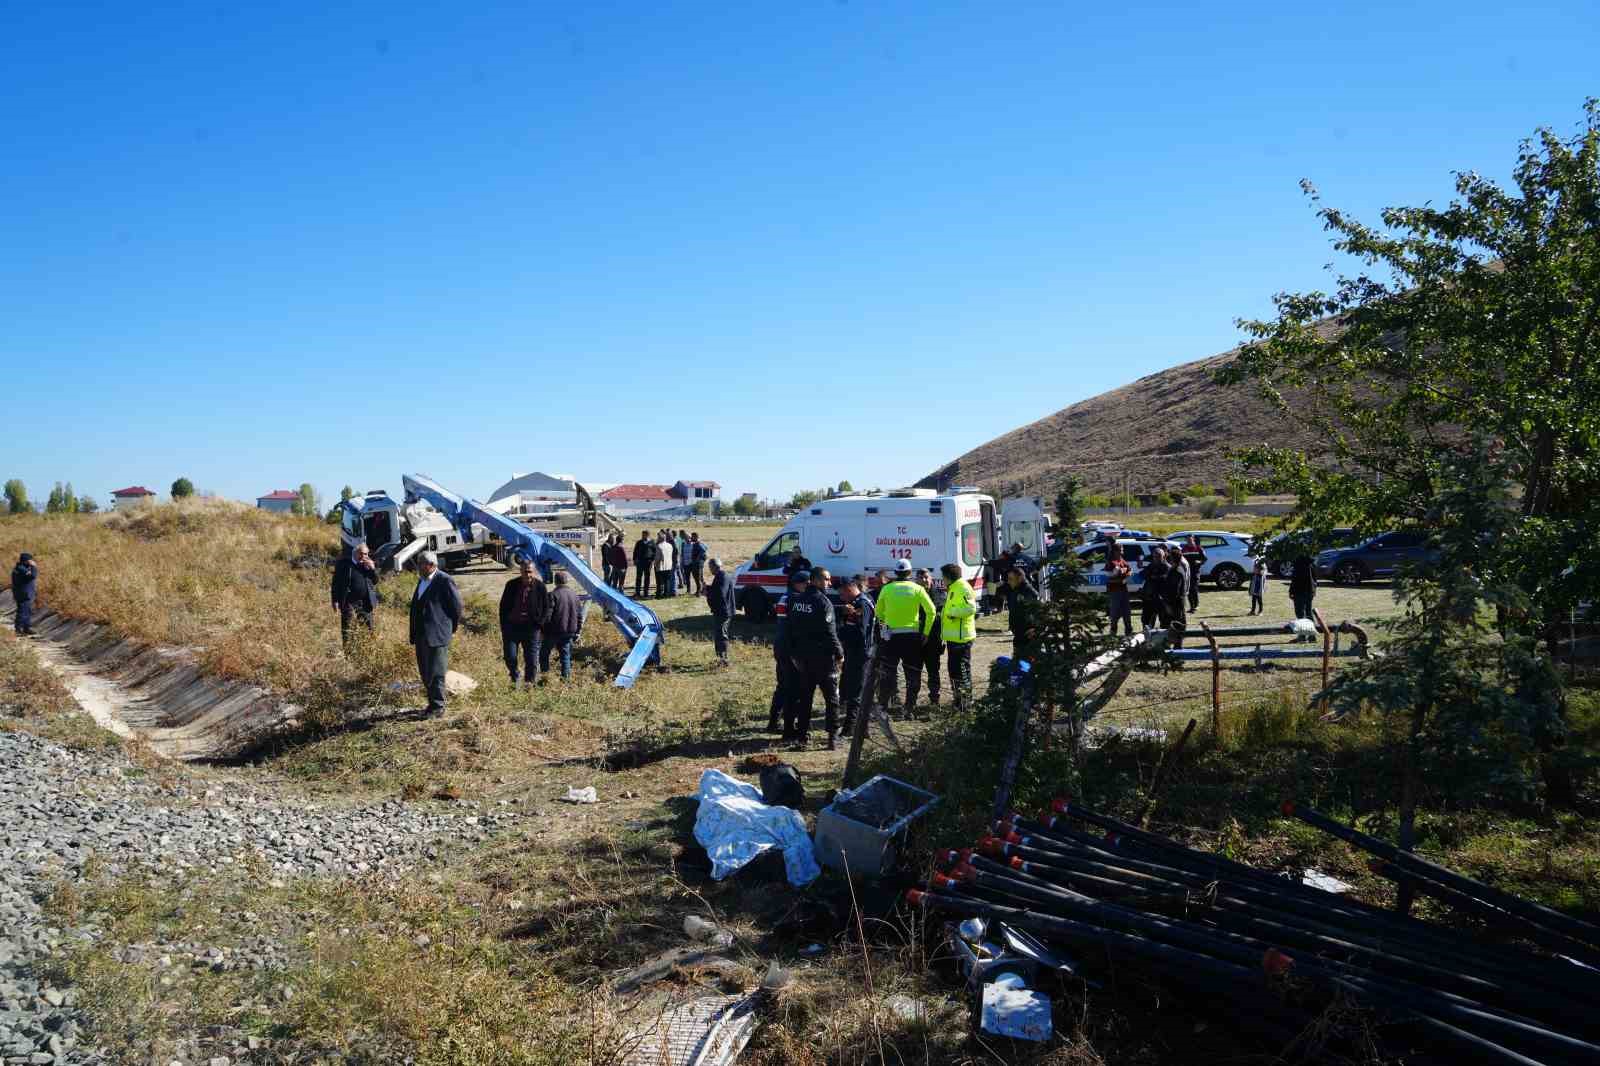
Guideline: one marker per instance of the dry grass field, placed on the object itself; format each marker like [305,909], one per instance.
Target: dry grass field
[526,933]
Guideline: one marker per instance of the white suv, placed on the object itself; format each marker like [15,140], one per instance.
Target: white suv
[1228,560]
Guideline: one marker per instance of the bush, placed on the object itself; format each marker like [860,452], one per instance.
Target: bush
[1208,506]
[1165,499]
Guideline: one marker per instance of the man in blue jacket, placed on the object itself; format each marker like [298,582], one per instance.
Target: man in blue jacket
[25,590]
[719,597]
[435,614]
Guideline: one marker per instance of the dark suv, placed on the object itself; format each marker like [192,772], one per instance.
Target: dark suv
[1379,556]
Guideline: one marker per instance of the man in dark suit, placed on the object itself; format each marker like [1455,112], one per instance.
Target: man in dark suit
[562,625]
[719,597]
[524,607]
[435,614]
[355,590]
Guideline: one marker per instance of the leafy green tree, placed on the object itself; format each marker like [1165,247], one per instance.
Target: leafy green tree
[54,505]
[844,487]
[744,506]
[1472,707]
[308,504]
[69,499]
[87,505]
[1165,499]
[182,488]
[1238,490]
[805,498]
[702,507]
[1467,345]
[345,493]
[1069,624]
[1198,489]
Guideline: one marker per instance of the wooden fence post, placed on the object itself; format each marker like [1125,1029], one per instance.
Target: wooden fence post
[1216,681]
[1327,648]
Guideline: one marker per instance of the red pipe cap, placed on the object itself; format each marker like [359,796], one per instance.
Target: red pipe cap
[948,857]
[915,896]
[963,873]
[1013,817]
[1017,863]
[992,846]
[1013,837]
[1276,963]
[1287,807]
[1113,839]
[1060,804]
[940,881]
[966,854]
[1002,827]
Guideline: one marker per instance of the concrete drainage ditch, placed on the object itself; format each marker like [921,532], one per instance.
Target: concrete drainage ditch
[155,694]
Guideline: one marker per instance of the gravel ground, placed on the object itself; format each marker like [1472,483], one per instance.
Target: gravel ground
[58,807]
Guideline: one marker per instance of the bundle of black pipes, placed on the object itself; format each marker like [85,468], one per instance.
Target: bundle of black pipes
[1278,956]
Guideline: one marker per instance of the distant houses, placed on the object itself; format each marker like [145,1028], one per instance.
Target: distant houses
[280,500]
[629,500]
[131,497]
[692,492]
[536,488]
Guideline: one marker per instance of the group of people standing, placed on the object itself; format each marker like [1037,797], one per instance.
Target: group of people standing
[1171,589]
[677,559]
[910,622]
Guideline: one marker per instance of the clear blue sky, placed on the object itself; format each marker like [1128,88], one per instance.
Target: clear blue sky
[773,244]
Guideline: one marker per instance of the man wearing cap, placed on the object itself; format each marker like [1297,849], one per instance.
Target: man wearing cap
[815,652]
[906,617]
[783,692]
[435,614]
[25,590]
[719,597]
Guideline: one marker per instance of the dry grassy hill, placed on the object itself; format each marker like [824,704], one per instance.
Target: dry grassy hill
[1165,431]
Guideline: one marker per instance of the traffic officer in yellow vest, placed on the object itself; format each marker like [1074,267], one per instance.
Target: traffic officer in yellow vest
[906,617]
[958,621]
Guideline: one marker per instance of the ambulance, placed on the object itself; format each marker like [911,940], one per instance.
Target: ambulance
[863,534]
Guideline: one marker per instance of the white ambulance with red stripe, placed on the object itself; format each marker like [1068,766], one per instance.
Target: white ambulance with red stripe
[863,534]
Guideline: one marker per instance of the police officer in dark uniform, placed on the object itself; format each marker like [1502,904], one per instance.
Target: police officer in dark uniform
[854,620]
[783,690]
[815,652]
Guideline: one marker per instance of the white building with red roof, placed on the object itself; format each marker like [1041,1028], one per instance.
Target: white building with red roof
[130,497]
[625,500]
[280,500]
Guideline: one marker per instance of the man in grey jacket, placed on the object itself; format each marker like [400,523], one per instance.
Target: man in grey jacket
[435,614]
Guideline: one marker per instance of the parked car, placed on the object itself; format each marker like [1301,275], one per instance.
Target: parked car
[1380,556]
[1228,559]
[1136,552]
[1282,550]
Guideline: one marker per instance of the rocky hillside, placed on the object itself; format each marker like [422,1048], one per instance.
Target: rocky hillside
[1163,432]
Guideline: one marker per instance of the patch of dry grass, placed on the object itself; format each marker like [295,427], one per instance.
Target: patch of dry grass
[32,698]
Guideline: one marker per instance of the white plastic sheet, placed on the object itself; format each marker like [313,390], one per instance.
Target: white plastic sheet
[734,826]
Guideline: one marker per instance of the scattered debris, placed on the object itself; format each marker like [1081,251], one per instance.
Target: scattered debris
[780,786]
[858,831]
[1278,949]
[710,1031]
[581,795]
[811,951]
[458,684]
[697,928]
[907,1008]
[735,826]
[1326,882]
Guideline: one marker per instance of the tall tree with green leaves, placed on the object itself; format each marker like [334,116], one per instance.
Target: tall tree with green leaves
[87,505]
[53,504]
[182,488]
[1469,340]
[308,504]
